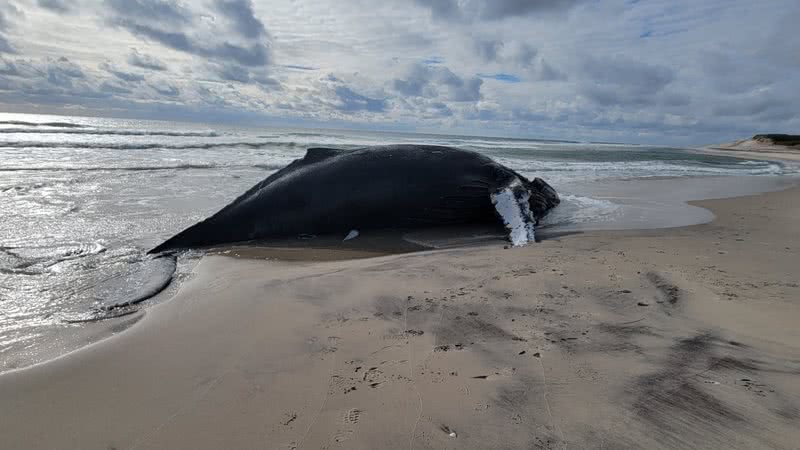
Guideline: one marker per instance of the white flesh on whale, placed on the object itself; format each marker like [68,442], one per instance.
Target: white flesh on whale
[351,235]
[511,204]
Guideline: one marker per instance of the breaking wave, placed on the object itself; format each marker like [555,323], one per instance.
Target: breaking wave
[643,169]
[110,132]
[41,124]
[275,166]
[144,146]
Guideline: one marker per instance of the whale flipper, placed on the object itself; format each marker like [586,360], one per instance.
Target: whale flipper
[513,207]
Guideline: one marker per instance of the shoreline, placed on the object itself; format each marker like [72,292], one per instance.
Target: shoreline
[768,153]
[470,340]
[681,210]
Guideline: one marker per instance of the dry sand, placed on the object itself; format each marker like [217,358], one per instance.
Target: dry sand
[675,338]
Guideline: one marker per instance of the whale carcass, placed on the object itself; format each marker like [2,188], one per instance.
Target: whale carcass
[331,191]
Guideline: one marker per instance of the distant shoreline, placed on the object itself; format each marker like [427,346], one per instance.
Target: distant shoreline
[761,146]
[763,155]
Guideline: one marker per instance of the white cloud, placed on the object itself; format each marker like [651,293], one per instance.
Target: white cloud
[661,70]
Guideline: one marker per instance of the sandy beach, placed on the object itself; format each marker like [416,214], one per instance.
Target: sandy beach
[430,224]
[672,338]
[755,149]
[773,152]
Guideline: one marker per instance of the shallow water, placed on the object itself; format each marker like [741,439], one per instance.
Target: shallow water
[82,198]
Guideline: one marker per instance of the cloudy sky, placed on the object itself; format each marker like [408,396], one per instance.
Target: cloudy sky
[653,71]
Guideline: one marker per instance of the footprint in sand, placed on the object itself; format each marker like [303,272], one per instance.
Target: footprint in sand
[372,375]
[339,384]
[352,416]
[342,435]
[350,419]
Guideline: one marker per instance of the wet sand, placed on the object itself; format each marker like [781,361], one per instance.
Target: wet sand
[669,338]
[322,248]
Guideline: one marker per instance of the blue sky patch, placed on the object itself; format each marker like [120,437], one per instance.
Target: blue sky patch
[506,77]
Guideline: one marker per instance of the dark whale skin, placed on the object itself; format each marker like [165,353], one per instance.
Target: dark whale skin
[333,191]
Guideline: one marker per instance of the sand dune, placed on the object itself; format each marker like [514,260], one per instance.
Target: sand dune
[760,146]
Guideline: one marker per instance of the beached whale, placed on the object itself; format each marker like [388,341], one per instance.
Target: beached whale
[332,191]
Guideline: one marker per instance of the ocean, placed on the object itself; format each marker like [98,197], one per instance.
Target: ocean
[82,199]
